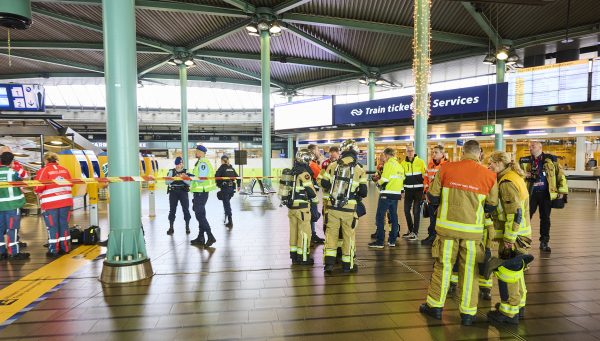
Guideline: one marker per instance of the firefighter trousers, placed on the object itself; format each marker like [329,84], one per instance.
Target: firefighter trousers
[300,233]
[445,251]
[511,281]
[346,221]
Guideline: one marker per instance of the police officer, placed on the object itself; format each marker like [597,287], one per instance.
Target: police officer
[200,189]
[227,186]
[513,230]
[178,193]
[464,192]
[345,181]
[298,202]
[414,172]
[546,182]
[391,185]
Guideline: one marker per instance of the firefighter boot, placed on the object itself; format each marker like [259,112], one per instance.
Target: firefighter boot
[436,313]
[211,239]
[346,267]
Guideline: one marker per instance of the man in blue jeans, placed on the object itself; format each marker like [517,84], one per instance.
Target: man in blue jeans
[391,184]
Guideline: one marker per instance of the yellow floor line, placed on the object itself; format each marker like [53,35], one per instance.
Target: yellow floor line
[23,292]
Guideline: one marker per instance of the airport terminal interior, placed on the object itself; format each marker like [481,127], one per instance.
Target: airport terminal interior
[120,95]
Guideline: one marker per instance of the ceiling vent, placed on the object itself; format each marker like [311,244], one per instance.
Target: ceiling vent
[514,2]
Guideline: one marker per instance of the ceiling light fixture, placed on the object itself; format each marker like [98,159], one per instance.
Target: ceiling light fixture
[490,59]
[252,28]
[513,58]
[502,53]
[275,28]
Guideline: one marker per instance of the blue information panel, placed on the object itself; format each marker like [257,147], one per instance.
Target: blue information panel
[21,97]
[450,102]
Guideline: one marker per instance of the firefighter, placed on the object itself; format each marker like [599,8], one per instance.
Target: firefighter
[546,182]
[345,181]
[437,160]
[227,187]
[464,191]
[200,189]
[334,155]
[315,170]
[391,185]
[56,202]
[178,193]
[11,201]
[414,172]
[513,230]
[298,192]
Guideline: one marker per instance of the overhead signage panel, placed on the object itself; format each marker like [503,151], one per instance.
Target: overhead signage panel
[21,97]
[450,102]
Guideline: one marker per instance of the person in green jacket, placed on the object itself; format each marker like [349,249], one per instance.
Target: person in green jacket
[11,201]
[200,189]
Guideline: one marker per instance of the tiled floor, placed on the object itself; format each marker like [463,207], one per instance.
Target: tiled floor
[246,288]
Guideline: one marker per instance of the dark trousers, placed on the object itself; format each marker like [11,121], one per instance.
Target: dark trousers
[227,195]
[179,196]
[412,202]
[432,219]
[57,223]
[541,200]
[199,207]
[10,221]
[385,205]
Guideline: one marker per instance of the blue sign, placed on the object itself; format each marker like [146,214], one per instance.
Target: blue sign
[21,97]
[449,102]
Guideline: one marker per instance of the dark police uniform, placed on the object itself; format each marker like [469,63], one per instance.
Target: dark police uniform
[227,187]
[178,193]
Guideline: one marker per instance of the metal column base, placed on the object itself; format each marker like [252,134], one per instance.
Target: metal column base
[126,273]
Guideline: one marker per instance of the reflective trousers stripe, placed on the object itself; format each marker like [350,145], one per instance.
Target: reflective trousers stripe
[465,302]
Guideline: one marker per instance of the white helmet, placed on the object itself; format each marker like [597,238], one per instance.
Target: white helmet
[348,145]
[304,156]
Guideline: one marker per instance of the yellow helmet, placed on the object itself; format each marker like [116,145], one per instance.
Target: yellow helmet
[304,156]
[348,145]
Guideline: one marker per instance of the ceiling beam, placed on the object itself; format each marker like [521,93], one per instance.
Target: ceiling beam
[243,5]
[47,75]
[98,28]
[544,38]
[370,26]
[241,71]
[205,79]
[407,65]
[279,59]
[167,6]
[68,45]
[288,6]
[55,61]
[152,66]
[218,35]
[327,47]
[485,25]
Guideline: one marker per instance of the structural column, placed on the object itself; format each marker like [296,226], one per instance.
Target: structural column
[290,147]
[184,114]
[499,131]
[265,78]
[371,149]
[421,72]
[580,153]
[126,258]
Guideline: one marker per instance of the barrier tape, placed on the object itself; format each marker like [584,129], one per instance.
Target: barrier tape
[117,179]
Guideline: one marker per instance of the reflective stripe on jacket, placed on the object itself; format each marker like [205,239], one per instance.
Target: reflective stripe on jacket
[392,177]
[54,196]
[514,206]
[414,172]
[11,198]
[432,169]
[203,168]
[463,188]
[557,182]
